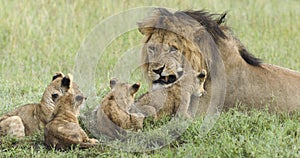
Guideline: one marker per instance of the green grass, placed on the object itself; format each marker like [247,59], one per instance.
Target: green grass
[39,38]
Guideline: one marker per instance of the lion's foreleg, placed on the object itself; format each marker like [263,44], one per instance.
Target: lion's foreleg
[86,139]
[184,105]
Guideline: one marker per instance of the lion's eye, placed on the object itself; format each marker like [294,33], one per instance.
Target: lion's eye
[151,49]
[173,49]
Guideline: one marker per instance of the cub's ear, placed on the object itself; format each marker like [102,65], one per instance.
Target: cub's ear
[202,75]
[134,88]
[112,83]
[66,82]
[57,75]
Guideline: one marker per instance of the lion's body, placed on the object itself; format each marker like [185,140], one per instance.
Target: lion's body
[31,118]
[63,130]
[206,44]
[258,85]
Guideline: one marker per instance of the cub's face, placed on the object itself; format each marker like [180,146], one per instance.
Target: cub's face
[71,99]
[70,102]
[199,83]
[123,93]
[57,88]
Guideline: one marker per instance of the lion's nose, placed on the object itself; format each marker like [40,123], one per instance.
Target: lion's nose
[159,70]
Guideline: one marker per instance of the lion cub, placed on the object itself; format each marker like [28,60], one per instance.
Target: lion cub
[172,99]
[117,102]
[31,118]
[111,117]
[63,130]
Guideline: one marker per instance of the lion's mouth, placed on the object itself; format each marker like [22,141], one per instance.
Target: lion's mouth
[167,79]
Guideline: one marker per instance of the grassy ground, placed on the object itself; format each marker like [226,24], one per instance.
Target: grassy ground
[40,38]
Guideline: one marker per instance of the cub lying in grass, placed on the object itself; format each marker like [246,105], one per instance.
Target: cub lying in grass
[63,130]
[111,117]
[117,102]
[118,108]
[31,118]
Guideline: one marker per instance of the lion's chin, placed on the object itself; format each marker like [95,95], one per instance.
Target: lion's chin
[157,86]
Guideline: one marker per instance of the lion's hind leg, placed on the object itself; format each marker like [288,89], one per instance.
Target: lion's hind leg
[12,126]
[65,135]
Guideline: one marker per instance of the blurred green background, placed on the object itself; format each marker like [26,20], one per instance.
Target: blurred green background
[39,38]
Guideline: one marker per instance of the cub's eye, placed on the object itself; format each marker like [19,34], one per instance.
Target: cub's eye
[173,49]
[151,49]
[79,98]
[54,96]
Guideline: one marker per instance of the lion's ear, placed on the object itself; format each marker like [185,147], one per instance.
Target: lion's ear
[134,88]
[66,83]
[58,75]
[112,83]
[146,30]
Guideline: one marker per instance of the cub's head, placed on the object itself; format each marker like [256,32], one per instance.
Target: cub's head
[59,85]
[123,93]
[71,99]
[192,81]
[199,83]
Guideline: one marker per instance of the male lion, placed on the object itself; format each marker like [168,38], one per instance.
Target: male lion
[63,130]
[206,44]
[31,118]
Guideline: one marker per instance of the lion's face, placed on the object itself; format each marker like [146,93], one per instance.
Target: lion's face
[164,59]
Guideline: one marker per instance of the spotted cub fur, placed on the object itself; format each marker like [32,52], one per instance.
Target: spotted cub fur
[63,130]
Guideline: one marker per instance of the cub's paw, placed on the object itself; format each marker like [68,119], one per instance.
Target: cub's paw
[93,141]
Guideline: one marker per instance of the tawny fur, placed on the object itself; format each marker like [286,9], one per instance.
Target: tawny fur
[116,103]
[63,130]
[119,111]
[172,99]
[206,44]
[30,118]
